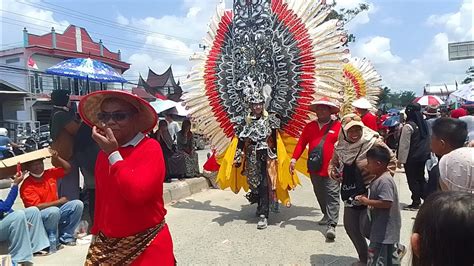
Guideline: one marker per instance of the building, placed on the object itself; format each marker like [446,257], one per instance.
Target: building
[443,91]
[24,86]
[160,86]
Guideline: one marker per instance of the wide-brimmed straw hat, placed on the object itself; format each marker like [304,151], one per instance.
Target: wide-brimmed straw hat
[325,101]
[431,110]
[362,103]
[89,107]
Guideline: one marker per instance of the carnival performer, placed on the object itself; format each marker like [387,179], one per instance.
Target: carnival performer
[129,225]
[251,91]
[257,149]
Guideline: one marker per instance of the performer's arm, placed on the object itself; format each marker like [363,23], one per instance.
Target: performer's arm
[239,153]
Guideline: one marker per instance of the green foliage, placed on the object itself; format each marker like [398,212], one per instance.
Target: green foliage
[398,99]
[346,15]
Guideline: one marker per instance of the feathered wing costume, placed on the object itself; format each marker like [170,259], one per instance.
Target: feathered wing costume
[360,80]
[292,54]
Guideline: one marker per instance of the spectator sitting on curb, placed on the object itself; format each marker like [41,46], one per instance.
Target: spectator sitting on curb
[456,166]
[60,216]
[23,229]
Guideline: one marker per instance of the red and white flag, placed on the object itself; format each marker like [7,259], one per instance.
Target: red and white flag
[32,63]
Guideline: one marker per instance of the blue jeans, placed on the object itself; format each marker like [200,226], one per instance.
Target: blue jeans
[64,220]
[24,231]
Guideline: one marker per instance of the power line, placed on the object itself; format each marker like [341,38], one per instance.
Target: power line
[159,50]
[100,21]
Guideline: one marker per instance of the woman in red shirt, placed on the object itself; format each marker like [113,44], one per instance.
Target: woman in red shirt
[129,223]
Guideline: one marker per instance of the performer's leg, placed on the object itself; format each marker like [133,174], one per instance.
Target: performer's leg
[263,191]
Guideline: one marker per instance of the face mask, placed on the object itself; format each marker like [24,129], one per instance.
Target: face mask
[37,175]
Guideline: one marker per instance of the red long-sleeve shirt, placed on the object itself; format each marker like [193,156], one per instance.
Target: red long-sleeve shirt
[129,198]
[312,135]
[370,121]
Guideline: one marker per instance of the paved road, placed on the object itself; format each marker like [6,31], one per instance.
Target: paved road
[219,227]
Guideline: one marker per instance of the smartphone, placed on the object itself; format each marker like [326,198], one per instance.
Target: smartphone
[18,168]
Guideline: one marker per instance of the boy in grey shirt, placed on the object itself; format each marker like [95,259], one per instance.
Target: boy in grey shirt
[383,211]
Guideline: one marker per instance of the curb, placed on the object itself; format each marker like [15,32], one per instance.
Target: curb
[177,190]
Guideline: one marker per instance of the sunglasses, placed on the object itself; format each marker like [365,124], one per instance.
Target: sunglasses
[116,116]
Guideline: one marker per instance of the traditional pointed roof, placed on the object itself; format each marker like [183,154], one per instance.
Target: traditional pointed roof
[158,84]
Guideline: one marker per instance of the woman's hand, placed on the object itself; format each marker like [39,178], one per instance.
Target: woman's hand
[105,139]
[292,166]
[336,176]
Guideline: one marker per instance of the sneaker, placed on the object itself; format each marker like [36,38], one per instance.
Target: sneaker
[262,223]
[323,221]
[401,251]
[331,233]
[69,243]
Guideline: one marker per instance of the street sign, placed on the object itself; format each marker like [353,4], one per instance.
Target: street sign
[461,50]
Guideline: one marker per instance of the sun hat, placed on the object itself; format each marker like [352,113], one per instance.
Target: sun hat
[362,103]
[89,107]
[353,123]
[325,101]
[431,110]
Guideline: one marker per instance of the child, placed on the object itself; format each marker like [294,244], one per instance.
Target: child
[383,210]
[443,233]
[456,166]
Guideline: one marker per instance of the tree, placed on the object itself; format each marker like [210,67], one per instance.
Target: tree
[407,97]
[346,15]
[385,96]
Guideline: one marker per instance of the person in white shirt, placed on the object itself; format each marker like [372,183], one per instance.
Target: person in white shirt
[173,127]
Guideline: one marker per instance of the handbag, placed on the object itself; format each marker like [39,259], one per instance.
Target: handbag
[352,184]
[315,157]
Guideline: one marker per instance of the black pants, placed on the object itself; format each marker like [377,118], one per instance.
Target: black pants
[91,195]
[415,172]
[433,181]
[263,191]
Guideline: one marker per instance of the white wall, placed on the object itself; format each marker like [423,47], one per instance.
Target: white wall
[14,76]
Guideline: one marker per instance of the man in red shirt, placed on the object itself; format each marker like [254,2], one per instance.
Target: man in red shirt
[326,189]
[129,223]
[60,216]
[363,106]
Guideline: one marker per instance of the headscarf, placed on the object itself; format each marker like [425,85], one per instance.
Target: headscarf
[413,114]
[165,134]
[60,97]
[346,150]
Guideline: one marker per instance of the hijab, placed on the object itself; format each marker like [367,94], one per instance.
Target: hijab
[346,150]
[413,113]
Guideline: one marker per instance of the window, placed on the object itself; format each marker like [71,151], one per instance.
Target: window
[12,60]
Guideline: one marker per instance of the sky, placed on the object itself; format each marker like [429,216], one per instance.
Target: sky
[406,40]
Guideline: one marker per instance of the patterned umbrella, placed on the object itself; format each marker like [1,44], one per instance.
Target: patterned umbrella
[428,100]
[86,68]
[465,91]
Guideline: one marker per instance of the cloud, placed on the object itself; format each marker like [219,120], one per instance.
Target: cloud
[171,40]
[391,21]
[458,24]
[362,18]
[18,14]
[122,20]
[378,50]
[432,65]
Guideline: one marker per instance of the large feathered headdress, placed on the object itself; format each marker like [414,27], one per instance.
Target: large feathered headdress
[287,47]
